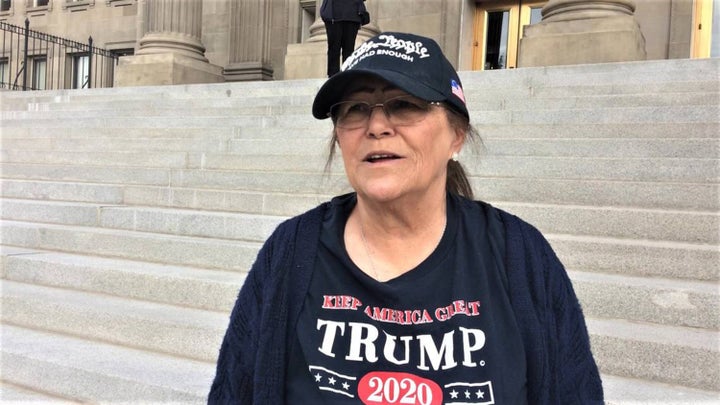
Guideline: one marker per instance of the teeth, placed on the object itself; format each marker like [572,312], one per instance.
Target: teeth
[373,157]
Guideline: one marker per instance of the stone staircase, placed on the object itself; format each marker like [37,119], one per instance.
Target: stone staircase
[131,215]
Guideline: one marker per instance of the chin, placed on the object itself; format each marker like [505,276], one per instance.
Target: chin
[380,193]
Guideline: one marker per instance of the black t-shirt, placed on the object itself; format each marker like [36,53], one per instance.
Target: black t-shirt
[442,333]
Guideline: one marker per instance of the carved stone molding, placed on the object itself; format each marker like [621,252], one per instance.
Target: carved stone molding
[565,10]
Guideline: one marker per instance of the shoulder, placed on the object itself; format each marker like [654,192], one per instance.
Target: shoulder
[298,228]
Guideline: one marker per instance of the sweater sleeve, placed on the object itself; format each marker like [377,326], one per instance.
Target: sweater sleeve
[561,368]
[250,365]
[234,374]
[575,374]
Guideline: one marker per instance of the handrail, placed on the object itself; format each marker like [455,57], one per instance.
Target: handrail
[37,53]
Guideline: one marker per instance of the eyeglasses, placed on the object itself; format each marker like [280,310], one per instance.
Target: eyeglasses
[401,110]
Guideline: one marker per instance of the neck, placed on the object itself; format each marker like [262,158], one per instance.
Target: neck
[387,240]
[402,218]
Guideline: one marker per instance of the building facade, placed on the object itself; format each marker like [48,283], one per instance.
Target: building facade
[193,41]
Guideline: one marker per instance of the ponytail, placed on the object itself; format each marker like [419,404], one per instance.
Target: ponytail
[457,180]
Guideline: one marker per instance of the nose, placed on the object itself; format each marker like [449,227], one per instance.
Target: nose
[379,122]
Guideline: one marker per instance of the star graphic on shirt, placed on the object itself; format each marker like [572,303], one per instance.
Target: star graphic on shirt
[467,394]
[480,394]
[318,377]
[346,386]
[332,380]
[454,394]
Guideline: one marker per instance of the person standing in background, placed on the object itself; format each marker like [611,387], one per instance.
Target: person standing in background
[342,22]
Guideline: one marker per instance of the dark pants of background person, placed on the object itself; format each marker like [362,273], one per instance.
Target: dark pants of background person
[341,36]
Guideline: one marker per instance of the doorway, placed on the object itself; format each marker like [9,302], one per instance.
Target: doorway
[498,29]
[706,33]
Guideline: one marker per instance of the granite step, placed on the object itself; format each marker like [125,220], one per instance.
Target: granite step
[86,370]
[664,301]
[690,261]
[632,391]
[623,73]
[192,287]
[309,156]
[699,227]
[196,132]
[296,105]
[231,255]
[657,300]
[638,258]
[93,174]
[271,203]
[62,191]
[577,88]
[630,223]
[246,108]
[617,193]
[115,150]
[245,104]
[57,154]
[665,114]
[648,130]
[661,353]
[178,331]
[13,394]
[322,129]
[190,91]
[97,150]
[91,371]
[483,91]
[659,195]
[99,317]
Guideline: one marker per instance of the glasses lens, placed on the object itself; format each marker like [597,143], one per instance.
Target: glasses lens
[403,110]
[406,110]
[350,113]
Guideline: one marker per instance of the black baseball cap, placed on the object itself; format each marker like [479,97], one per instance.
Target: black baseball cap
[413,63]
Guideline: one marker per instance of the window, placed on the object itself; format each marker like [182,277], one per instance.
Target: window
[5,5]
[4,74]
[535,15]
[78,5]
[39,73]
[38,3]
[80,71]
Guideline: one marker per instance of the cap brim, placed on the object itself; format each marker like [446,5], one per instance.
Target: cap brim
[336,86]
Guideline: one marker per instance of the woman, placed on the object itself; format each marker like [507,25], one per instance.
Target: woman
[342,23]
[407,289]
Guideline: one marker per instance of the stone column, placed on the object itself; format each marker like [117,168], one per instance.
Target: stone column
[309,59]
[249,41]
[170,50]
[317,29]
[173,26]
[583,31]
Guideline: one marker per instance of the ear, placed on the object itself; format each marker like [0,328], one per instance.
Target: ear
[459,141]
[335,140]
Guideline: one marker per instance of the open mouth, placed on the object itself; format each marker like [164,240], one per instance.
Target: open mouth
[381,157]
